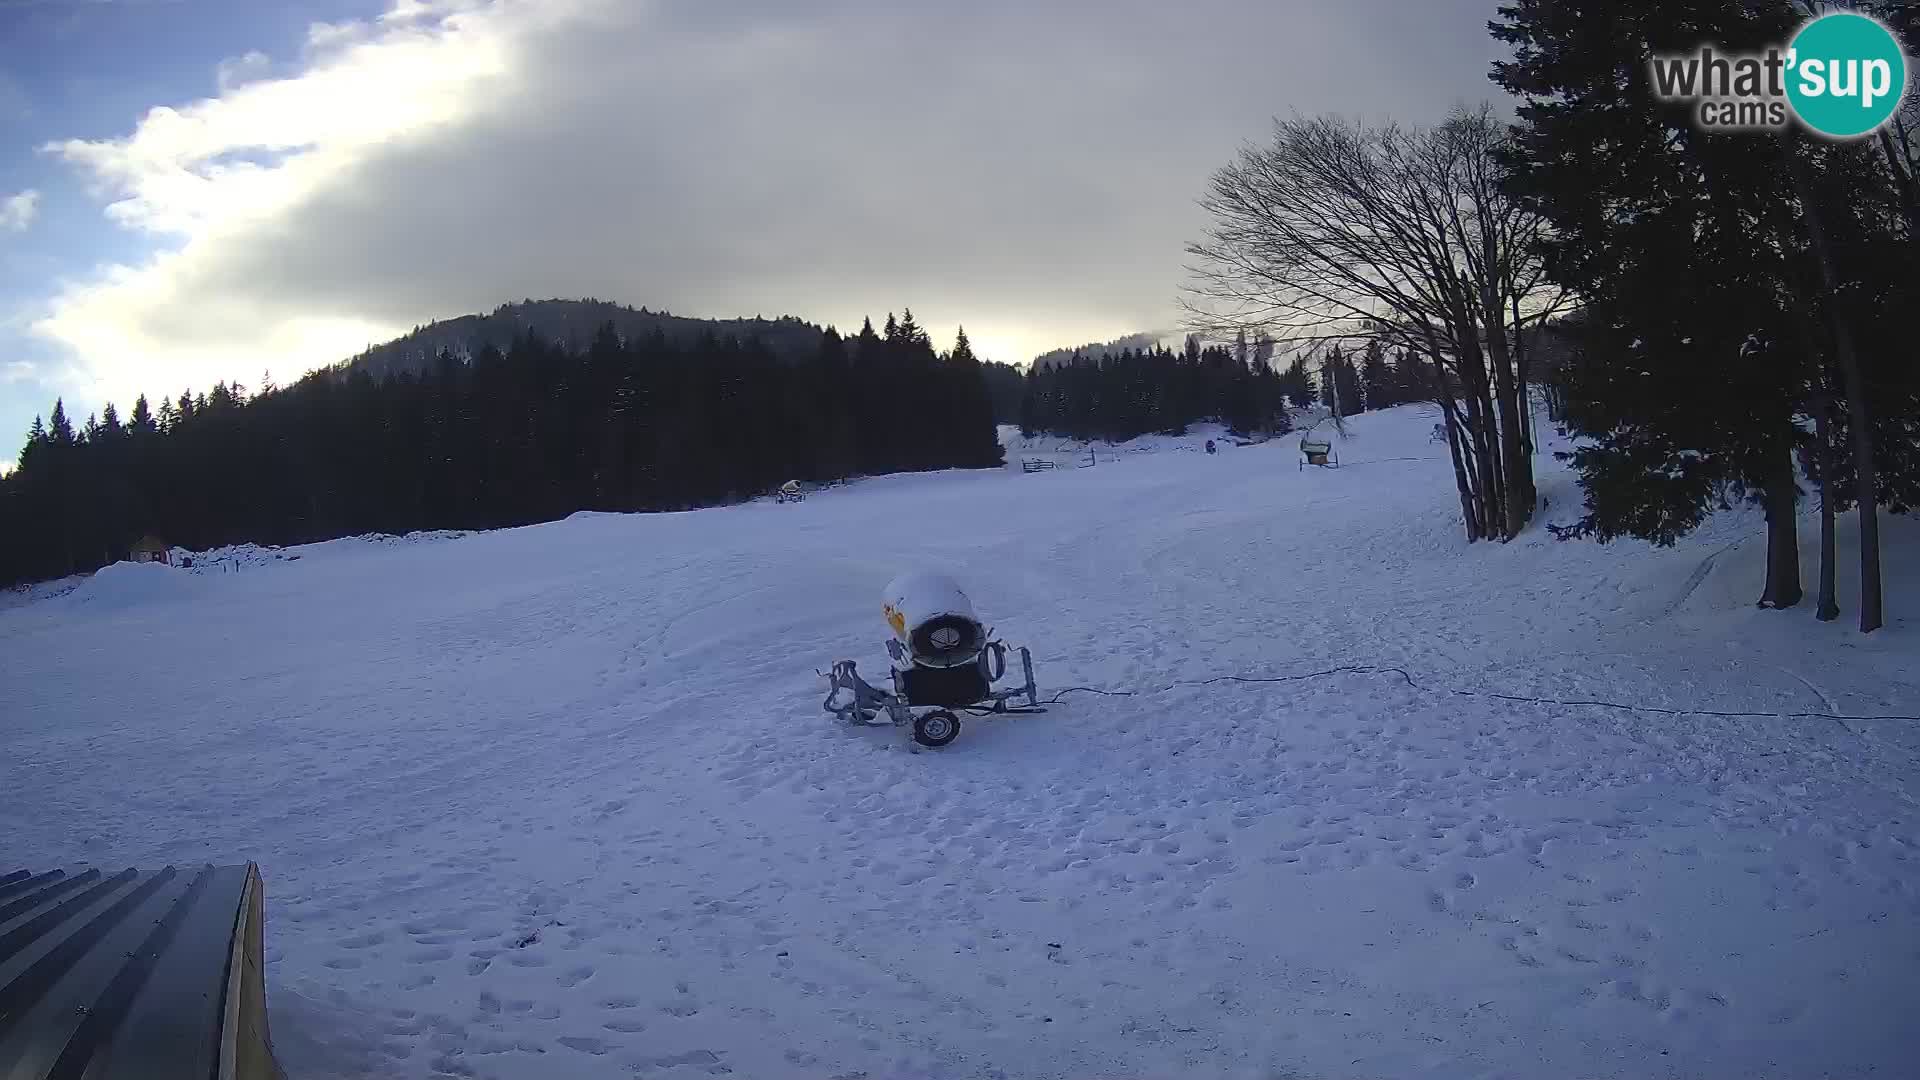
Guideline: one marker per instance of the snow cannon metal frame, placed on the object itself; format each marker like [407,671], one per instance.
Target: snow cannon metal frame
[944,659]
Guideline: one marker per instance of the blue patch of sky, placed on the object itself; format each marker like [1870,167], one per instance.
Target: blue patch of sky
[90,69]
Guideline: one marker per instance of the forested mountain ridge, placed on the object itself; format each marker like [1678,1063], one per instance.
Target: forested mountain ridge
[572,325]
[1144,341]
[515,435]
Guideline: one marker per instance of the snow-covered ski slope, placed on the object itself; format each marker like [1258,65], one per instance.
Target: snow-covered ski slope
[560,801]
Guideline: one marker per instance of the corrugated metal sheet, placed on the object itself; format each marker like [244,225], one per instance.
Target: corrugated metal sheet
[119,975]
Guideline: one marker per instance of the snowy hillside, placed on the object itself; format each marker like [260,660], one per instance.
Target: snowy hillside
[560,800]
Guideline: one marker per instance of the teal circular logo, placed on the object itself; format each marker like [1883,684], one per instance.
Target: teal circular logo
[1846,75]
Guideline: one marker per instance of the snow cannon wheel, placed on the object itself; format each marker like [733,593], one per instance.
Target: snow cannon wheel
[937,728]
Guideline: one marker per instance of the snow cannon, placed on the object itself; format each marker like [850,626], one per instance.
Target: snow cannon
[944,658]
[933,620]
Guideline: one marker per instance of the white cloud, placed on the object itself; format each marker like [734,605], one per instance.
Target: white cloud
[1026,170]
[18,211]
[226,175]
[235,72]
[179,172]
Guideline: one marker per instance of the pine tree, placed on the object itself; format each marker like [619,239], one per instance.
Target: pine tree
[1005,384]
[835,409]
[1339,384]
[910,332]
[1688,382]
[1299,385]
[36,441]
[1376,378]
[1409,383]
[60,431]
[972,408]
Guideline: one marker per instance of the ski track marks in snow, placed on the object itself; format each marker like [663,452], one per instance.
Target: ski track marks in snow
[560,801]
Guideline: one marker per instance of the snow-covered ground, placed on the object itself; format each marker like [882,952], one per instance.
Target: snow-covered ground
[560,801]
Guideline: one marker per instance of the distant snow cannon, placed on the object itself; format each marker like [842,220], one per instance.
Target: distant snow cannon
[944,658]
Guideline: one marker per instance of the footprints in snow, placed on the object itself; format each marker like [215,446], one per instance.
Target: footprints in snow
[500,1024]
[1588,940]
[521,952]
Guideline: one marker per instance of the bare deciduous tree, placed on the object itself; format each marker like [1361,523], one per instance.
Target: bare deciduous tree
[1340,231]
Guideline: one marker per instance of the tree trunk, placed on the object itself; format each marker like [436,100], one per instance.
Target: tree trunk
[1521,361]
[1904,183]
[1829,608]
[1462,479]
[1528,445]
[1783,536]
[1486,461]
[1865,494]
[1515,466]
[1859,419]
[1523,371]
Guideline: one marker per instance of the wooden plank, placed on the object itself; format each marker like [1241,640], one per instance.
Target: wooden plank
[246,1051]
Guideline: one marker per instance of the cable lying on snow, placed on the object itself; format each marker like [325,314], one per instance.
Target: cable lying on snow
[1374,669]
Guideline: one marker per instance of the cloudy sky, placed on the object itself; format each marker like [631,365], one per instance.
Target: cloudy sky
[195,190]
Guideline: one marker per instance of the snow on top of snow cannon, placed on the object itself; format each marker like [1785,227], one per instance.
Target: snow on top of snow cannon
[930,615]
